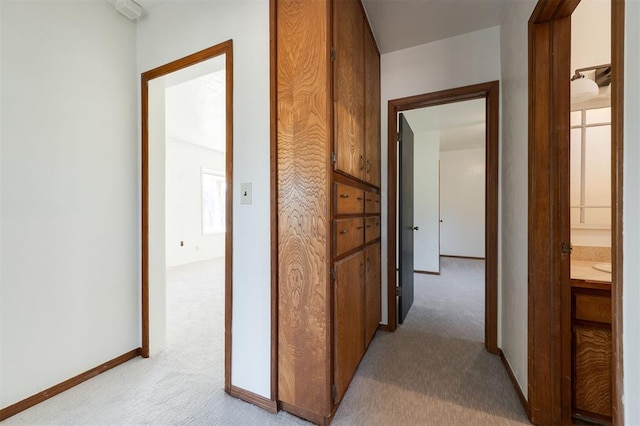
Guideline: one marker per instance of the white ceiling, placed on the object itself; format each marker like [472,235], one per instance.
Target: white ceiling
[195,104]
[399,24]
[461,124]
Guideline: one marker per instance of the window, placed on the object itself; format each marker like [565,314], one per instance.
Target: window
[591,168]
[213,202]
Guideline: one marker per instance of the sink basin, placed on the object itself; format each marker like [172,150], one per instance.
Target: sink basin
[604,267]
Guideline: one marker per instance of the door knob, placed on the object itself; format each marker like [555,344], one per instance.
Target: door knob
[415,228]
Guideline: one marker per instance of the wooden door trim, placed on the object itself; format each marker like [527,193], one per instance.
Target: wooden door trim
[273,186]
[225,48]
[617,151]
[490,92]
[549,329]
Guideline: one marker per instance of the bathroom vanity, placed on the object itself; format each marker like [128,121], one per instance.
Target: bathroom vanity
[591,341]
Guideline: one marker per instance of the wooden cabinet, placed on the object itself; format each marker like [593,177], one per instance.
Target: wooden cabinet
[591,352]
[349,324]
[371,291]
[348,24]
[372,110]
[356,94]
[327,118]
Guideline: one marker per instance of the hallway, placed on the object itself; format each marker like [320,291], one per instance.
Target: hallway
[434,368]
[432,371]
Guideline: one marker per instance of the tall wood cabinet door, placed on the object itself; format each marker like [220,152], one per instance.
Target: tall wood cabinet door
[372,109]
[348,24]
[349,324]
[372,291]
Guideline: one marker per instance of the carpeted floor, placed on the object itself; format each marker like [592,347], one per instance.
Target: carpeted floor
[432,371]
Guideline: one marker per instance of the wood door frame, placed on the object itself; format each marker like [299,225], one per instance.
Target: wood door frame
[225,48]
[489,91]
[549,329]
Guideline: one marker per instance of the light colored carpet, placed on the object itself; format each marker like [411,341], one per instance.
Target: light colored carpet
[432,371]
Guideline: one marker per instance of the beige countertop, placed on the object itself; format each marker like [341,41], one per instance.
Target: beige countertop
[583,270]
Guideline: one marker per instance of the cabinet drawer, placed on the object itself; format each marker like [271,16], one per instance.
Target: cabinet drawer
[591,307]
[348,199]
[371,228]
[371,202]
[348,234]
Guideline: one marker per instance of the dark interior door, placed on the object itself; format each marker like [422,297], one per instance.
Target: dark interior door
[405,224]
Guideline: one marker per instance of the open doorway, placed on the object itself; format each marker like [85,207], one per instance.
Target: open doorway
[195,208]
[449,182]
[186,202]
[558,327]
[487,93]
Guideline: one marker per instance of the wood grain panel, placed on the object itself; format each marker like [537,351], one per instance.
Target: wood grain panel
[591,307]
[303,140]
[371,228]
[349,323]
[348,199]
[592,375]
[372,109]
[348,24]
[372,291]
[348,235]
[371,203]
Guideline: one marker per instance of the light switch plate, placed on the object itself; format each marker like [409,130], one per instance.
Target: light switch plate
[245,193]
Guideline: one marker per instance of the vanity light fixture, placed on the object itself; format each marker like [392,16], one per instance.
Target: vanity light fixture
[584,88]
[129,8]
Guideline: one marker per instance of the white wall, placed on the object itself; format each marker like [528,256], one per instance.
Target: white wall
[591,34]
[591,237]
[458,61]
[514,186]
[1,209]
[157,193]
[172,31]
[631,213]
[185,162]
[462,193]
[69,164]
[426,205]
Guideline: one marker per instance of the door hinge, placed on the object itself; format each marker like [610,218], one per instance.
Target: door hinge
[334,392]
[398,291]
[333,274]
[399,137]
[333,157]
[566,247]
[333,54]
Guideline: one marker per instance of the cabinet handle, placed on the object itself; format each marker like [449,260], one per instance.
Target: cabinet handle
[359,198]
[361,162]
[368,226]
[368,166]
[344,195]
[344,231]
[360,227]
[369,199]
